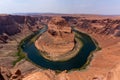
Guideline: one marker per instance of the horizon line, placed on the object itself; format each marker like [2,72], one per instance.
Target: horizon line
[54,13]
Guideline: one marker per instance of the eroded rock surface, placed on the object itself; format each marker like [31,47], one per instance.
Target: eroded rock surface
[58,39]
[6,74]
[43,75]
[13,24]
[100,67]
[114,74]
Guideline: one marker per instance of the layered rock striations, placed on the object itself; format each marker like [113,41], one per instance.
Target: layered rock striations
[13,24]
[6,74]
[101,67]
[96,24]
[58,39]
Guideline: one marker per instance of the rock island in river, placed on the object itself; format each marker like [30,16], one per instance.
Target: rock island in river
[58,42]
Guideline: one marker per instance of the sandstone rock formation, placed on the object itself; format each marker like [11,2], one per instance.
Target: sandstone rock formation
[58,39]
[114,74]
[13,24]
[97,27]
[3,38]
[6,74]
[100,24]
[41,75]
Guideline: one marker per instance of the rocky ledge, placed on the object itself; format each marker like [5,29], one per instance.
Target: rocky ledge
[6,74]
[57,40]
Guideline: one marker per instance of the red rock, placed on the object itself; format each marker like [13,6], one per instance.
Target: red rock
[58,39]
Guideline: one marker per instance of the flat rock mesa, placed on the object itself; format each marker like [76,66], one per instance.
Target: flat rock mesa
[58,40]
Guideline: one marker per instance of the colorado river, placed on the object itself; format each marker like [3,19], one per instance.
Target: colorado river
[78,61]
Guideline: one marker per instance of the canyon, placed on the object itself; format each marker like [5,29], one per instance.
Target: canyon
[58,40]
[105,64]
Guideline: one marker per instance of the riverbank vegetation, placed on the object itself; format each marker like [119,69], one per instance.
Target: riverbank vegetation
[79,37]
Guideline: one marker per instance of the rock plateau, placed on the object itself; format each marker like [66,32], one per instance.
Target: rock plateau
[58,39]
[105,64]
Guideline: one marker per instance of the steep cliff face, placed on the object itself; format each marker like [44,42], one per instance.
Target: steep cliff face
[104,26]
[15,24]
[12,25]
[7,25]
[6,74]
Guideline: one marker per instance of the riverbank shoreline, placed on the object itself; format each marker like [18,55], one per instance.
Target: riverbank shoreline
[79,68]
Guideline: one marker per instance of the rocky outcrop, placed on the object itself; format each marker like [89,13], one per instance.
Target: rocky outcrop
[58,39]
[6,74]
[41,75]
[101,25]
[3,38]
[13,24]
[114,74]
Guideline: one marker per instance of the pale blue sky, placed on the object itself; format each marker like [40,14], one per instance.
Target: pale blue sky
[110,7]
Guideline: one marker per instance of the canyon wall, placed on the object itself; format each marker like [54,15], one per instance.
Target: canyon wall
[11,25]
[104,26]
[6,74]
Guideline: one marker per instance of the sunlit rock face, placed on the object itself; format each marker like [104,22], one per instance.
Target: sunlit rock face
[41,75]
[58,39]
[114,74]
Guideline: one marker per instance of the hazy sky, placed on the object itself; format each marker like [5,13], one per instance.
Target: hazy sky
[110,7]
